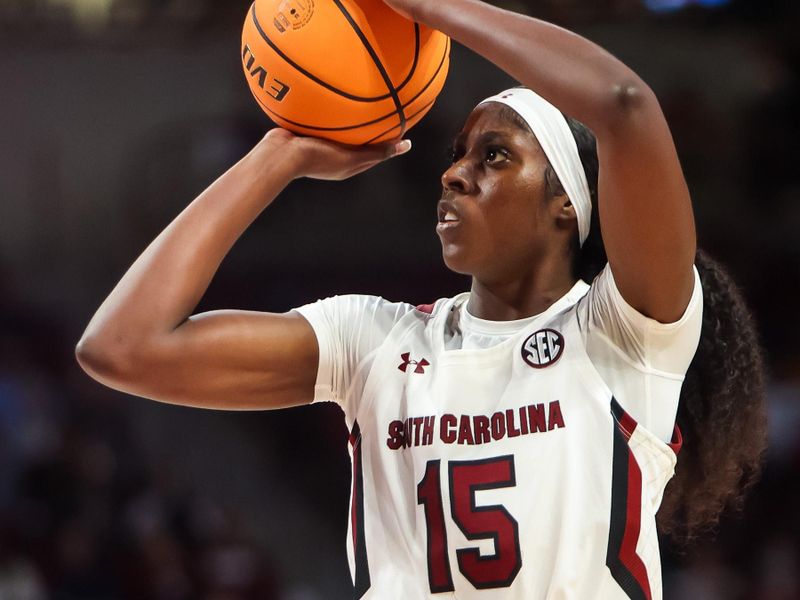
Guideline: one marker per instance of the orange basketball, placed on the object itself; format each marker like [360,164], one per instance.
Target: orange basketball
[353,71]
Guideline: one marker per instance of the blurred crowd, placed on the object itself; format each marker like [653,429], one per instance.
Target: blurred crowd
[88,511]
[96,16]
[83,515]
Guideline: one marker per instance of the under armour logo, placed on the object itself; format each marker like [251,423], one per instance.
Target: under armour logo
[419,365]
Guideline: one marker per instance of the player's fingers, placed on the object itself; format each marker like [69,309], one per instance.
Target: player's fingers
[390,150]
[369,156]
[324,159]
[387,150]
[399,148]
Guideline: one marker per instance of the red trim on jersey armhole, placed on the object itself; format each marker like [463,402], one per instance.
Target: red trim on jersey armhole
[354,491]
[627,424]
[625,565]
[627,551]
[361,577]
[425,308]
[677,440]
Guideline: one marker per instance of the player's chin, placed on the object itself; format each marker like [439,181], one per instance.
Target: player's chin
[457,258]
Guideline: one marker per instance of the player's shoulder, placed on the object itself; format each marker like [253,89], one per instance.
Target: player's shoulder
[404,317]
[366,302]
[438,307]
[374,311]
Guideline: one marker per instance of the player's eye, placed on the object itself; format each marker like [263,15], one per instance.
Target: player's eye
[496,154]
[454,153]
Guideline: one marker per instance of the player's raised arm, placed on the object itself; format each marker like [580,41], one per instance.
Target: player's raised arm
[143,339]
[644,205]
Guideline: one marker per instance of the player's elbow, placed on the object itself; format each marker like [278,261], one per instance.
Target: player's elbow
[631,95]
[112,363]
[625,101]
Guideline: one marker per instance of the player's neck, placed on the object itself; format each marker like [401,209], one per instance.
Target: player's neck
[524,296]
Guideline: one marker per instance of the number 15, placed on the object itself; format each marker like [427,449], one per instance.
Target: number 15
[476,522]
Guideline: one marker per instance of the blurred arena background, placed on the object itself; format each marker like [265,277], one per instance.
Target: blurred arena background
[114,114]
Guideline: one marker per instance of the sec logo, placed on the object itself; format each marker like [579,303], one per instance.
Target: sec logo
[543,348]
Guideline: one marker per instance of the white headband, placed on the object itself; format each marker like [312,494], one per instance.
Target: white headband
[556,139]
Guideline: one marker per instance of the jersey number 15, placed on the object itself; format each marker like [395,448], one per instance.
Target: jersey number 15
[476,522]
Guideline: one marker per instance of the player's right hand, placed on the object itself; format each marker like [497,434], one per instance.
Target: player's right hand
[322,159]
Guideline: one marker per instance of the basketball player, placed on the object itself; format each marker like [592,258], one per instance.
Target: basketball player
[514,441]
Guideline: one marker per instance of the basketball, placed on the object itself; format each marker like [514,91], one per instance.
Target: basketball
[352,71]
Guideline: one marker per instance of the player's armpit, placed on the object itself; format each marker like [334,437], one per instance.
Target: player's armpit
[233,360]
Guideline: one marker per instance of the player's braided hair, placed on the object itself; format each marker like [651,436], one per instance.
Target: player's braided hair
[722,412]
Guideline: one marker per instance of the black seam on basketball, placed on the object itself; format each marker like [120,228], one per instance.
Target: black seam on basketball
[318,128]
[433,77]
[311,76]
[419,93]
[428,105]
[381,69]
[414,62]
[373,121]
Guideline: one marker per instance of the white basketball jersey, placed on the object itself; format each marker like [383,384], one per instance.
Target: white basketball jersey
[508,472]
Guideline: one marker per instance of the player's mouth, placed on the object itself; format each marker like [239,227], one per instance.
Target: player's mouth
[448,216]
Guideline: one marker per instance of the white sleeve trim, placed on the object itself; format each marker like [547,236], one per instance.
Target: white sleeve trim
[323,391]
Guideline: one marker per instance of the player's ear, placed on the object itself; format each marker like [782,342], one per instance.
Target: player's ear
[560,205]
[566,217]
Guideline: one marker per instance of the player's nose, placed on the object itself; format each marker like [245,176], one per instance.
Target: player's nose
[458,178]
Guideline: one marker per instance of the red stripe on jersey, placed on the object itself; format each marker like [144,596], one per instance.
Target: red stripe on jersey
[361,578]
[677,440]
[353,520]
[626,567]
[633,524]
[628,424]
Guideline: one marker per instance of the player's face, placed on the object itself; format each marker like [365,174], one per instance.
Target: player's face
[493,217]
